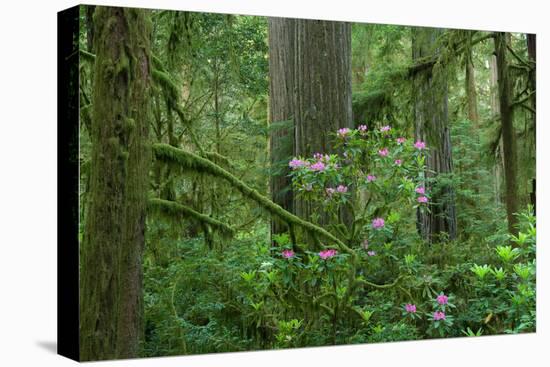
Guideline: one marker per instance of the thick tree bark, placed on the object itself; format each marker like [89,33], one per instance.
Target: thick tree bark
[322,91]
[281,113]
[310,70]
[112,247]
[508,132]
[431,125]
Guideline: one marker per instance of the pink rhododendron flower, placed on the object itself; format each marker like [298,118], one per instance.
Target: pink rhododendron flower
[287,254]
[330,191]
[385,128]
[442,299]
[383,152]
[420,190]
[328,253]
[296,163]
[398,162]
[400,140]
[342,189]
[378,223]
[366,244]
[371,178]
[422,199]
[343,132]
[410,308]
[371,253]
[362,129]
[317,166]
[419,145]
[439,315]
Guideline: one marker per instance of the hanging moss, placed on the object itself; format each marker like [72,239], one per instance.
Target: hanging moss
[174,209]
[193,162]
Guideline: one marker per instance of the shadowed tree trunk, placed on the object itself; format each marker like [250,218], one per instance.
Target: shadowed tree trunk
[508,132]
[431,125]
[112,247]
[281,106]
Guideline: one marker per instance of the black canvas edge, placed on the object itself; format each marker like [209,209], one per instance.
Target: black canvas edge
[68,183]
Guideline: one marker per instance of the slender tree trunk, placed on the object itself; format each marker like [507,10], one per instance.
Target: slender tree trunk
[532,52]
[508,132]
[495,109]
[431,125]
[322,92]
[114,235]
[471,93]
[281,113]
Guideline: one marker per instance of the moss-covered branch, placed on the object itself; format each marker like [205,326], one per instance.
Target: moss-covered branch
[193,162]
[456,49]
[176,209]
[364,282]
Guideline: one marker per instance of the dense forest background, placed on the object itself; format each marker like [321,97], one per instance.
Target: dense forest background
[252,183]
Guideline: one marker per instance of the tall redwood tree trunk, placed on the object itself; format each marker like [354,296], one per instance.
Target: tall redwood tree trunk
[281,113]
[310,70]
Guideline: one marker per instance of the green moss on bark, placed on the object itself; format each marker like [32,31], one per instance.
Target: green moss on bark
[114,232]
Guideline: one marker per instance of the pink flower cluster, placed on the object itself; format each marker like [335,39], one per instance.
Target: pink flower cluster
[343,132]
[342,189]
[410,308]
[371,178]
[421,191]
[400,140]
[398,162]
[317,166]
[385,128]
[328,253]
[442,299]
[371,253]
[383,152]
[296,163]
[420,145]
[287,254]
[439,315]
[362,129]
[378,223]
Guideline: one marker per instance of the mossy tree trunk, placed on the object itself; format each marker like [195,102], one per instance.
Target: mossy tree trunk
[113,242]
[508,132]
[431,125]
[532,52]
